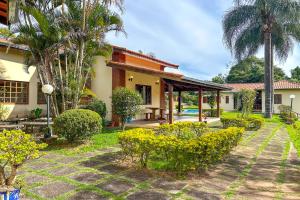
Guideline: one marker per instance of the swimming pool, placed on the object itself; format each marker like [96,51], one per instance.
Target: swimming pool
[190,111]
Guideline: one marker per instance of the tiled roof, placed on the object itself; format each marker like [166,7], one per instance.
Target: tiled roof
[284,84]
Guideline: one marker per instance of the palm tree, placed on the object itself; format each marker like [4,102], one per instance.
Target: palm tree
[273,24]
[64,42]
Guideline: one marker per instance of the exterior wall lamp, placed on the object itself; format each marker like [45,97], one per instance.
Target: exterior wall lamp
[157,82]
[130,78]
[47,90]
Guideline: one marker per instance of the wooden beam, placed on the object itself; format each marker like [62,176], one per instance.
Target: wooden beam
[179,102]
[171,103]
[218,103]
[200,106]
[162,94]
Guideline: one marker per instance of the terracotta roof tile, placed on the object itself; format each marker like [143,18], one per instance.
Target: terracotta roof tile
[284,84]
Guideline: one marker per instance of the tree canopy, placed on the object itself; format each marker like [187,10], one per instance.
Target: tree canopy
[295,74]
[251,70]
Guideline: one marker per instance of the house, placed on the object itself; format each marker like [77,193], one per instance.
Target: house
[153,78]
[282,91]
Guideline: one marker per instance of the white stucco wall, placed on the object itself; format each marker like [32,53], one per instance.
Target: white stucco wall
[102,83]
[145,79]
[12,67]
[285,100]
[223,105]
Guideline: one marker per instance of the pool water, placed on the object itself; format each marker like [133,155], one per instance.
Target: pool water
[190,111]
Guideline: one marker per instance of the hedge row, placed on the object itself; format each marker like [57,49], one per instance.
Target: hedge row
[182,154]
[183,130]
[250,123]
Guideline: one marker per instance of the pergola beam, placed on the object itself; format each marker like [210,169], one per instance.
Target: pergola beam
[171,103]
[218,103]
[200,106]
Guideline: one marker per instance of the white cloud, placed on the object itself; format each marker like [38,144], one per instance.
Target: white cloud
[188,33]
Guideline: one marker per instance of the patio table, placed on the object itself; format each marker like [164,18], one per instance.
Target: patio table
[153,109]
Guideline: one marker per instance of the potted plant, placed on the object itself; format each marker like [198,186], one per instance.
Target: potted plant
[16,147]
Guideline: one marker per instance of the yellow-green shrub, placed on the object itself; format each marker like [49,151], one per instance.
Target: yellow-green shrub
[183,130]
[250,123]
[182,153]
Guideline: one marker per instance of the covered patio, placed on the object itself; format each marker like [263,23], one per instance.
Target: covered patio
[186,84]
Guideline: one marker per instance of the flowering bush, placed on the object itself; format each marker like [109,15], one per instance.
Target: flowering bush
[250,123]
[181,153]
[16,148]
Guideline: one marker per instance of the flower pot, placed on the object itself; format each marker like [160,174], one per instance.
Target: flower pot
[12,195]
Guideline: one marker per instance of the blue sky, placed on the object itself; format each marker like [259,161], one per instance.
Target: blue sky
[184,32]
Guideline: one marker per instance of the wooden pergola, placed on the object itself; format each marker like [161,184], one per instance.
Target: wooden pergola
[190,84]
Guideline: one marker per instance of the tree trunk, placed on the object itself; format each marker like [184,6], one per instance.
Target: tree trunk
[268,74]
[11,179]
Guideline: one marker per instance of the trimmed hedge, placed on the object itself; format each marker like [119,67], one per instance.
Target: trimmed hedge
[143,145]
[250,123]
[183,130]
[77,124]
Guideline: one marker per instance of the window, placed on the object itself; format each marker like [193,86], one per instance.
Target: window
[277,99]
[145,92]
[14,92]
[40,95]
[227,99]
[205,100]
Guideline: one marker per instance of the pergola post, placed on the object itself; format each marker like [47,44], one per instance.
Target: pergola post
[218,103]
[179,102]
[171,103]
[200,106]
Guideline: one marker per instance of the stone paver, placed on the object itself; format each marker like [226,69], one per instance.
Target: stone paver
[53,189]
[87,177]
[258,158]
[116,186]
[87,195]
[148,195]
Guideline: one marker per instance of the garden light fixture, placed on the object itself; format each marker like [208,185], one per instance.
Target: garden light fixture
[48,89]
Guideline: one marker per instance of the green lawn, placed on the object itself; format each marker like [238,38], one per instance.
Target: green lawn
[108,138]
[295,137]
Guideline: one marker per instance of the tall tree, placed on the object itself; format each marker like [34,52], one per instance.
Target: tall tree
[295,74]
[273,24]
[251,70]
[220,78]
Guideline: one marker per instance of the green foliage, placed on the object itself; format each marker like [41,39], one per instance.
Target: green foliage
[143,145]
[99,107]
[220,78]
[247,97]
[3,112]
[251,70]
[183,130]
[126,103]
[250,123]
[16,147]
[211,100]
[190,98]
[286,114]
[296,73]
[6,33]
[36,113]
[77,124]
[294,132]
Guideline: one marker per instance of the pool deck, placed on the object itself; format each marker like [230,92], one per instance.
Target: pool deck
[154,124]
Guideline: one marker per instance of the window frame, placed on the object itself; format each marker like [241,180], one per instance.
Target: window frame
[145,102]
[227,99]
[276,99]
[24,85]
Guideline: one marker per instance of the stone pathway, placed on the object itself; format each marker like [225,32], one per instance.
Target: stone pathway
[264,166]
